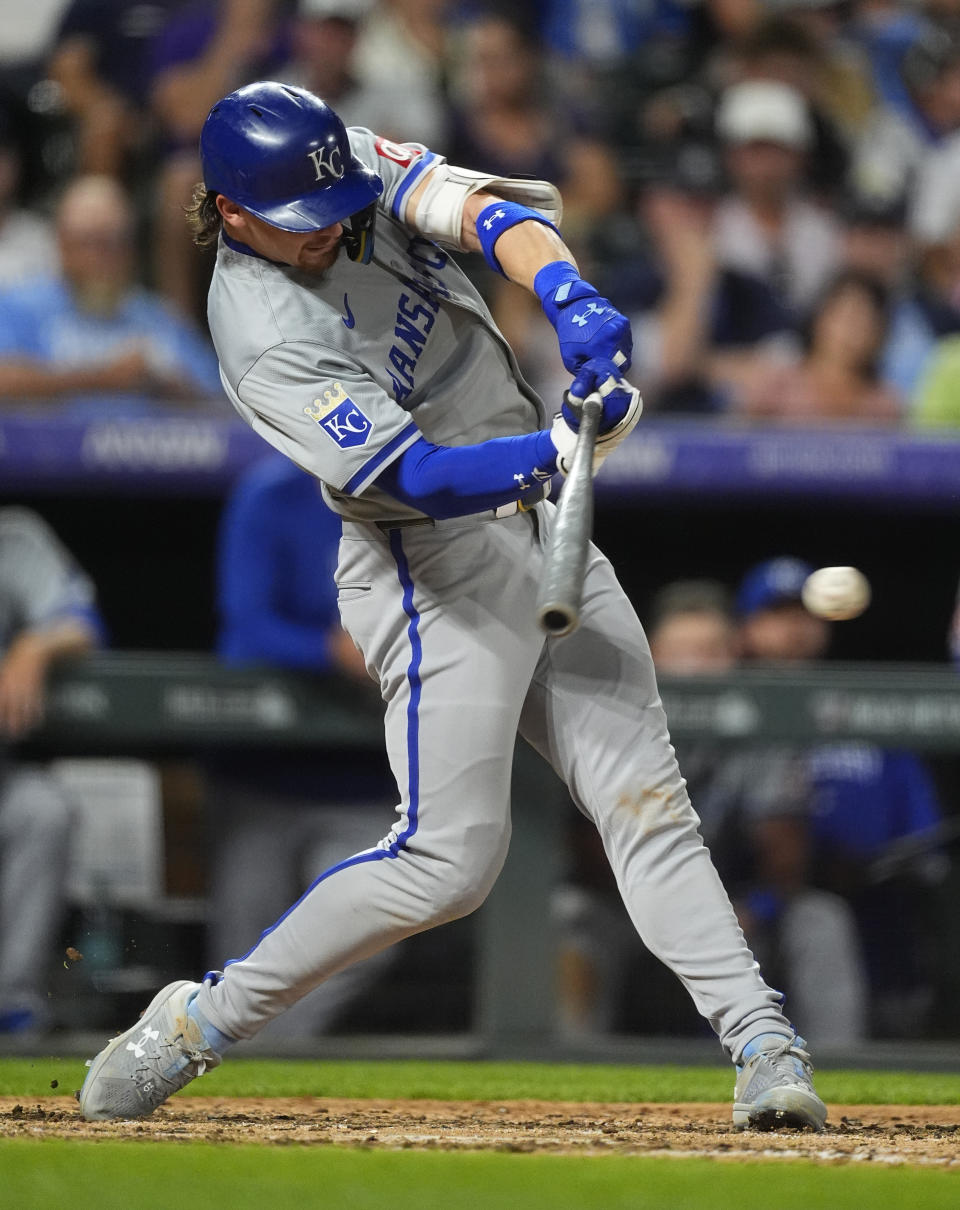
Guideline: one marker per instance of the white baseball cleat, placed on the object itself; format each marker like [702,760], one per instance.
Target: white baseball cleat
[139,1069]
[774,1089]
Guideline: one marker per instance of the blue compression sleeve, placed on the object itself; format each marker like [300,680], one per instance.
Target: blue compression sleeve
[452,481]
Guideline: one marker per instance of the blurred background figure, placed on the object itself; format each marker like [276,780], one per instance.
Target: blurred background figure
[405,46]
[90,338]
[753,804]
[204,51]
[506,120]
[913,120]
[47,614]
[323,40]
[279,819]
[101,66]
[838,375]
[870,826]
[27,245]
[937,402]
[801,43]
[877,242]
[768,226]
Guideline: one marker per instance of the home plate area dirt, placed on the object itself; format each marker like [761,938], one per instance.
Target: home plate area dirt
[885,1134]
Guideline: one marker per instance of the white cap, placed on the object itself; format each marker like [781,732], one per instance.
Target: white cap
[316,10]
[767,111]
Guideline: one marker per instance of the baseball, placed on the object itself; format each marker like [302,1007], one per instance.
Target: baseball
[836,593]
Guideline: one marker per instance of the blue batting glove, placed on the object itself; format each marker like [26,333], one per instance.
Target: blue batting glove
[602,375]
[587,325]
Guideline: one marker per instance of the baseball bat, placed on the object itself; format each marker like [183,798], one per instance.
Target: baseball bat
[561,587]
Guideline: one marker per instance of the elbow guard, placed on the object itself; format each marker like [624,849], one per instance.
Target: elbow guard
[439,210]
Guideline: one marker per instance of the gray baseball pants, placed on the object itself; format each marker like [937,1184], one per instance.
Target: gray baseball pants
[445,618]
[35,820]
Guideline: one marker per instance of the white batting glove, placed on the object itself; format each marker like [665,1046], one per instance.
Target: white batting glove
[565,439]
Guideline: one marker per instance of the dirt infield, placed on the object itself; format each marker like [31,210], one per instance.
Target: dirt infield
[887,1134]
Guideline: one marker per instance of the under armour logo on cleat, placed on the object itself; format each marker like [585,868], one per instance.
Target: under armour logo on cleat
[488,223]
[521,482]
[592,309]
[149,1035]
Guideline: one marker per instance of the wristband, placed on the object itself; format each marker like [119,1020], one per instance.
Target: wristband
[557,285]
[554,277]
[498,217]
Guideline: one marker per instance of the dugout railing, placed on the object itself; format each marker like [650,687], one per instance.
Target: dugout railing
[158,705]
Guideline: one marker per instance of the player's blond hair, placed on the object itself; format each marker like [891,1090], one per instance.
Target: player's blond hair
[203,217]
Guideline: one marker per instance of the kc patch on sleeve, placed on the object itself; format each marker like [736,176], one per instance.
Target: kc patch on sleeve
[340,418]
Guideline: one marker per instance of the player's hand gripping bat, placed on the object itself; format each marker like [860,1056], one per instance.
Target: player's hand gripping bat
[561,588]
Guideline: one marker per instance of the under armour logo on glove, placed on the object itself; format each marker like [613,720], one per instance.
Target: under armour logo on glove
[584,319]
[584,332]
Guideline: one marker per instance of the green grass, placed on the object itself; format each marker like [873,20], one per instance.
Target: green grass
[483,1081]
[135,1176]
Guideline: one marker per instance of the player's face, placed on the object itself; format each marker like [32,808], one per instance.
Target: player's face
[694,642]
[784,633]
[311,251]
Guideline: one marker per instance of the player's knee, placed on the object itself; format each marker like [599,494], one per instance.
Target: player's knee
[463,886]
[459,897]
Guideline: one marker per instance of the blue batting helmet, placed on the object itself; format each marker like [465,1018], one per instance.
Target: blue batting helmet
[283,154]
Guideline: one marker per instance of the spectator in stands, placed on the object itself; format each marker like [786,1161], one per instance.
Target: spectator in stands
[741,267]
[605,34]
[801,45]
[323,43]
[876,242]
[838,376]
[406,43]
[47,614]
[277,602]
[699,326]
[204,51]
[101,63]
[27,245]
[90,339]
[934,225]
[885,30]
[863,807]
[503,122]
[937,399]
[896,141]
[766,226]
[503,119]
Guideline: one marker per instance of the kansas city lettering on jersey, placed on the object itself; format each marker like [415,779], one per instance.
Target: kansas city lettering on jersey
[340,418]
[415,319]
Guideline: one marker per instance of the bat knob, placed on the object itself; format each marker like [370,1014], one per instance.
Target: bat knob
[557,619]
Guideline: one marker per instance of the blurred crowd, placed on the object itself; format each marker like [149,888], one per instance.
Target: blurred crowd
[769,188]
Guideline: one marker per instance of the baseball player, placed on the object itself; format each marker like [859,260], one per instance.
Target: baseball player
[350,339]
[48,613]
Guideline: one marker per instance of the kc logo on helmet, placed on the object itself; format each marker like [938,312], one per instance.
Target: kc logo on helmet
[327,162]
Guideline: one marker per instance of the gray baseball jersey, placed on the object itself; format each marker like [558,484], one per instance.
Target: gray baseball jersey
[342,374]
[40,581]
